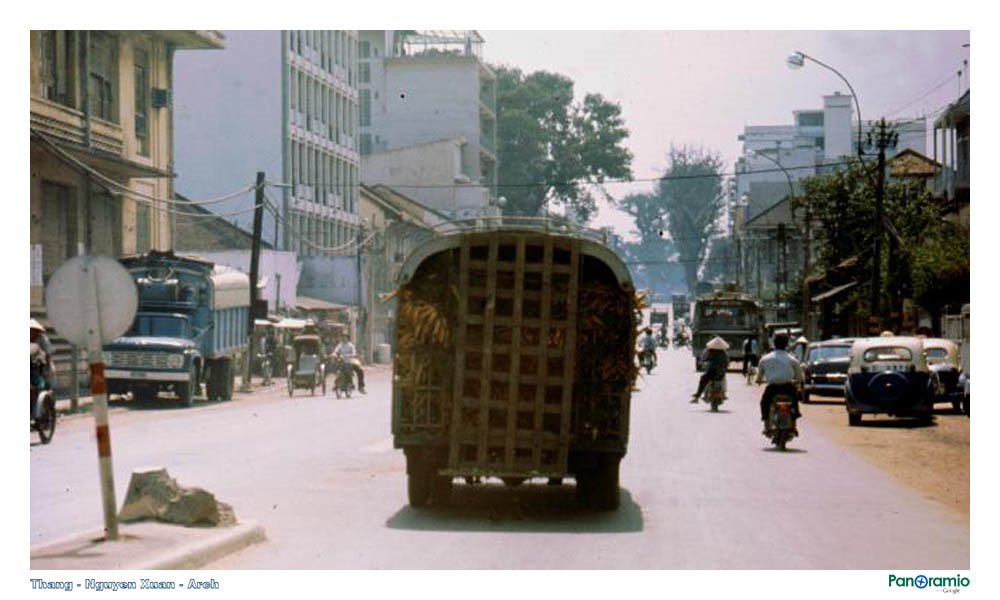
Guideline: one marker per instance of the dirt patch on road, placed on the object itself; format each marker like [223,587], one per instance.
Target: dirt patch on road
[933,460]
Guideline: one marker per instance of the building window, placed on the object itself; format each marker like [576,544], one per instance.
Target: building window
[811,119]
[142,102]
[366,108]
[59,227]
[56,52]
[103,77]
[364,72]
[364,49]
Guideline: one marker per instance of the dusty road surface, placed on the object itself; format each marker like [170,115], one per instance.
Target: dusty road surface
[699,489]
[932,460]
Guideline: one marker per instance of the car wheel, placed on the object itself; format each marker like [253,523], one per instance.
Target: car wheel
[854,419]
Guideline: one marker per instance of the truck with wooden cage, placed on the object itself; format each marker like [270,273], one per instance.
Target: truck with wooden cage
[514,360]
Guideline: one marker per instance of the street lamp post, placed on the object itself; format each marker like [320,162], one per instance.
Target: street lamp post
[796,60]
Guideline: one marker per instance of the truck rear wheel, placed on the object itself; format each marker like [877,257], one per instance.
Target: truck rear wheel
[423,484]
[597,484]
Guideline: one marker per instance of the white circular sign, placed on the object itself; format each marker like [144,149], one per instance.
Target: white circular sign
[91,300]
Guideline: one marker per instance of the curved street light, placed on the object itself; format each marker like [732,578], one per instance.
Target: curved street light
[797,60]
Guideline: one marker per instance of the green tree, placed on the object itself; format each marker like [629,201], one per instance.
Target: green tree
[549,146]
[926,257]
[690,194]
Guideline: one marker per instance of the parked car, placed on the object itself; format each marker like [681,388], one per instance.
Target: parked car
[890,375]
[943,358]
[824,369]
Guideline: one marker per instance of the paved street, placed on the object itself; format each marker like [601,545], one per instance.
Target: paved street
[699,490]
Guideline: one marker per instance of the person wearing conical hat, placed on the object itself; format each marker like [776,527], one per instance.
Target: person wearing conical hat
[715,360]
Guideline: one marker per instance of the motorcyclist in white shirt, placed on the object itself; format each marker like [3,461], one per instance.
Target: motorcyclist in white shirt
[782,373]
[346,351]
[647,344]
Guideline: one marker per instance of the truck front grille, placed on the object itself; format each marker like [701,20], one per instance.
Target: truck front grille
[137,360]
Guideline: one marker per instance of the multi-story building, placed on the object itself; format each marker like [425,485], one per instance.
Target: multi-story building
[284,103]
[102,152]
[772,240]
[429,89]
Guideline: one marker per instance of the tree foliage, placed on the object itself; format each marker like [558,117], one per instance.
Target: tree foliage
[690,197]
[925,257]
[548,144]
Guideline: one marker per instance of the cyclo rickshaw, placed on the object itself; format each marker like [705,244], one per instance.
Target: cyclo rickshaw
[308,368]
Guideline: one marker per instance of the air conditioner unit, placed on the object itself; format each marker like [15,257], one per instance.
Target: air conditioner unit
[161,98]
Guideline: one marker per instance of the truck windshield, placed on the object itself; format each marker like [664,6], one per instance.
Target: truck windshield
[162,326]
[725,316]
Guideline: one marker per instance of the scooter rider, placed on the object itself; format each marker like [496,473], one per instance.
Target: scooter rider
[715,360]
[647,345]
[346,351]
[783,373]
[38,337]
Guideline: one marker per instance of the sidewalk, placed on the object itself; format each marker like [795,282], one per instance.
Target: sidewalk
[146,545]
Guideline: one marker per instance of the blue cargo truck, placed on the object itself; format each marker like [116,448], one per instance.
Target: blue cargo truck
[190,328]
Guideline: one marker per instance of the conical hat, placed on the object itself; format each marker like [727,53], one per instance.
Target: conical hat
[717,343]
[36,325]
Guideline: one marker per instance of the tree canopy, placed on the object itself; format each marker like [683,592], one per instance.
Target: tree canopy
[690,197]
[549,146]
[927,257]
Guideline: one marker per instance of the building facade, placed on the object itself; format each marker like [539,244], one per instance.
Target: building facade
[101,151]
[284,103]
[426,87]
[102,154]
[773,241]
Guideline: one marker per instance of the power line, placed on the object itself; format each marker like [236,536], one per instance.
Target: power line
[115,186]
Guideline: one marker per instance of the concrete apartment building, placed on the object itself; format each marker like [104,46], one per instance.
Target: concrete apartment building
[284,103]
[428,118]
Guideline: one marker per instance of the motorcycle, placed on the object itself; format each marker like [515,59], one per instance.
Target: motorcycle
[343,382]
[43,403]
[264,363]
[781,421]
[680,341]
[715,393]
[646,360]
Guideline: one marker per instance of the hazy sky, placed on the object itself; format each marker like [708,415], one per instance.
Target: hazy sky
[702,88]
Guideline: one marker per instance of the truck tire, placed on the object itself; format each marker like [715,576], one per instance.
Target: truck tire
[226,383]
[423,484]
[187,391]
[597,484]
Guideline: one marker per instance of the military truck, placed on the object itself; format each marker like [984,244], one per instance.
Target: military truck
[514,360]
[191,327]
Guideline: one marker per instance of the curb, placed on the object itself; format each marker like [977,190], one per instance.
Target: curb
[147,545]
[203,552]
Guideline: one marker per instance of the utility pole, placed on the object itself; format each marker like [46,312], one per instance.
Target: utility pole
[883,138]
[258,221]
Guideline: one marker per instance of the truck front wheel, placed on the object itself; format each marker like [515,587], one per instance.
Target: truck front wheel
[186,391]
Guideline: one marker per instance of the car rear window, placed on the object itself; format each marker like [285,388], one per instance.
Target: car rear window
[885,353]
[829,352]
[937,353]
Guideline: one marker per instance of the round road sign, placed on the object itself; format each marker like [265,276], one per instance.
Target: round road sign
[91,300]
